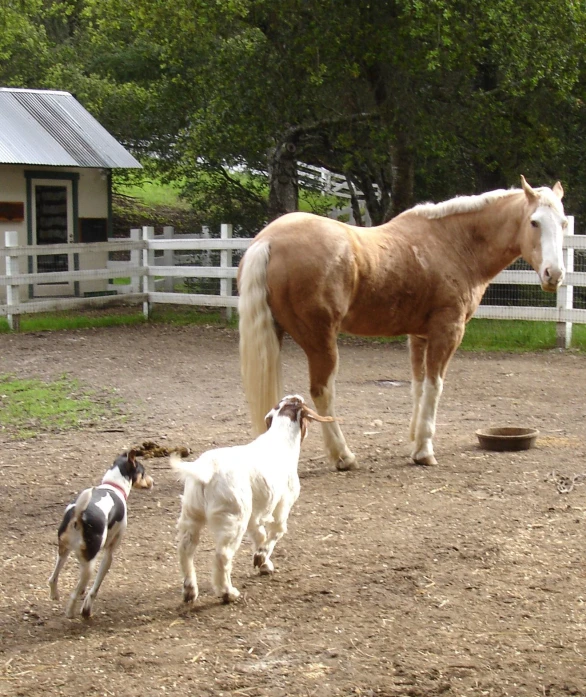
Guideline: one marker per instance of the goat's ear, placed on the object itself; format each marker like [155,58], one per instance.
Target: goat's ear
[269,419]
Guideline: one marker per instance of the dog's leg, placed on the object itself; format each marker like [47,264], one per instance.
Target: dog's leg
[105,564]
[54,579]
[187,541]
[228,534]
[85,571]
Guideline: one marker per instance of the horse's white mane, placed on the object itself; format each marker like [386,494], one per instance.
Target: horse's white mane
[469,204]
[461,204]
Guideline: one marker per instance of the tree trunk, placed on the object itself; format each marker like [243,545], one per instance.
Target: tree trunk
[402,166]
[283,183]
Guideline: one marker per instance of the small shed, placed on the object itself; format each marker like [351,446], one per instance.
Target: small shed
[56,163]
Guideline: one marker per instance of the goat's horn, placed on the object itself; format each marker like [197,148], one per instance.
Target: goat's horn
[314,416]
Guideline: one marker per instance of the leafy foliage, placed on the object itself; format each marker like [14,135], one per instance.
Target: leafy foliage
[409,99]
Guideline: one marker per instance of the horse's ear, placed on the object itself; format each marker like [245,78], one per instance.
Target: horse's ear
[558,190]
[529,192]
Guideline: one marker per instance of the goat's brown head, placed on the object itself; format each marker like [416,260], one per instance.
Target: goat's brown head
[296,409]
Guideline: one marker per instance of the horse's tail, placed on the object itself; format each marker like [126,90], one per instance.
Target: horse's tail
[260,348]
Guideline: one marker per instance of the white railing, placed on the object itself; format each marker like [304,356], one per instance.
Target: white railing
[146,272]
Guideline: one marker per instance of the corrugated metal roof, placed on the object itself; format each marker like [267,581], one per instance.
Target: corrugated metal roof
[44,127]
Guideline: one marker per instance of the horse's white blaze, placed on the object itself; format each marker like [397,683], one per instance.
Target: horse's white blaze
[551,269]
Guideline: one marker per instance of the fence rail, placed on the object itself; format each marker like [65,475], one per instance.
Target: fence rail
[151,277]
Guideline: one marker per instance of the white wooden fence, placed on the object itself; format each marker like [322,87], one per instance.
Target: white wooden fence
[146,274]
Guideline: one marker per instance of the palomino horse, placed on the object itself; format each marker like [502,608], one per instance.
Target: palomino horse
[423,274]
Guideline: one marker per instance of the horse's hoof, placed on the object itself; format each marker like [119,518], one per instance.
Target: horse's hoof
[347,463]
[425,460]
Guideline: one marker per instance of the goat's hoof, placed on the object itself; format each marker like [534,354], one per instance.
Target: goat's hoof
[86,612]
[70,612]
[426,460]
[54,594]
[190,594]
[345,463]
[231,595]
[267,568]
[258,559]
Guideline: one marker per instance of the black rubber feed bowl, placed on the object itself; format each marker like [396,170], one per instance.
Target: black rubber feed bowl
[507,438]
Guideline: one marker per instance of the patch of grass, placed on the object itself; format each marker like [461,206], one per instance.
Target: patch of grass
[29,407]
[153,193]
[481,334]
[515,336]
[67,321]
[170,314]
[186,315]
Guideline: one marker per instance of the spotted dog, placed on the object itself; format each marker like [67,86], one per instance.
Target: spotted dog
[96,521]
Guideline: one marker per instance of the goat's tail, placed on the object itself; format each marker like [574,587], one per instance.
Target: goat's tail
[201,469]
[82,503]
[260,348]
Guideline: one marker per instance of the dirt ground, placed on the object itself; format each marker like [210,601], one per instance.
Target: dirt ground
[463,579]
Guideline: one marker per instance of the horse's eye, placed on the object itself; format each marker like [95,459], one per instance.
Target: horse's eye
[534,223]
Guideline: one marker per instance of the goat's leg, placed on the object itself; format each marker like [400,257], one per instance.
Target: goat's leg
[105,564]
[54,579]
[258,535]
[323,367]
[85,572]
[187,541]
[417,349]
[275,530]
[228,534]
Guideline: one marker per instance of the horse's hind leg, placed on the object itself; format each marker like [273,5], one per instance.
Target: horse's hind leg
[441,344]
[323,367]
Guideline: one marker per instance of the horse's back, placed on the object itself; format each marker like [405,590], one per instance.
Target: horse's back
[311,265]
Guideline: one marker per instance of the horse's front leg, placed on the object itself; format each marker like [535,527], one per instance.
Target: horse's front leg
[441,345]
[417,349]
[323,367]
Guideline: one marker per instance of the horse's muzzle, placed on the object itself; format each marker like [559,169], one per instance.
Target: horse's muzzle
[552,278]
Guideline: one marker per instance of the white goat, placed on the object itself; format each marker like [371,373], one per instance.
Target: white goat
[246,488]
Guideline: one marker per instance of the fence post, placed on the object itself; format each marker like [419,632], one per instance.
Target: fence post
[148,262]
[12,291]
[135,260]
[226,263]
[169,258]
[565,294]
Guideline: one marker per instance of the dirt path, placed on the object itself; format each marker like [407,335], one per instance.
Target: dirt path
[463,579]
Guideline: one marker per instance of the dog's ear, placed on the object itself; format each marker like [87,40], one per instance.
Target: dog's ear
[131,457]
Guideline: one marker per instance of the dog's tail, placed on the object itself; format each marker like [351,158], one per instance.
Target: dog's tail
[201,469]
[82,503]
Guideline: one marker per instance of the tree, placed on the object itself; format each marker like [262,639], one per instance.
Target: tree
[408,99]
